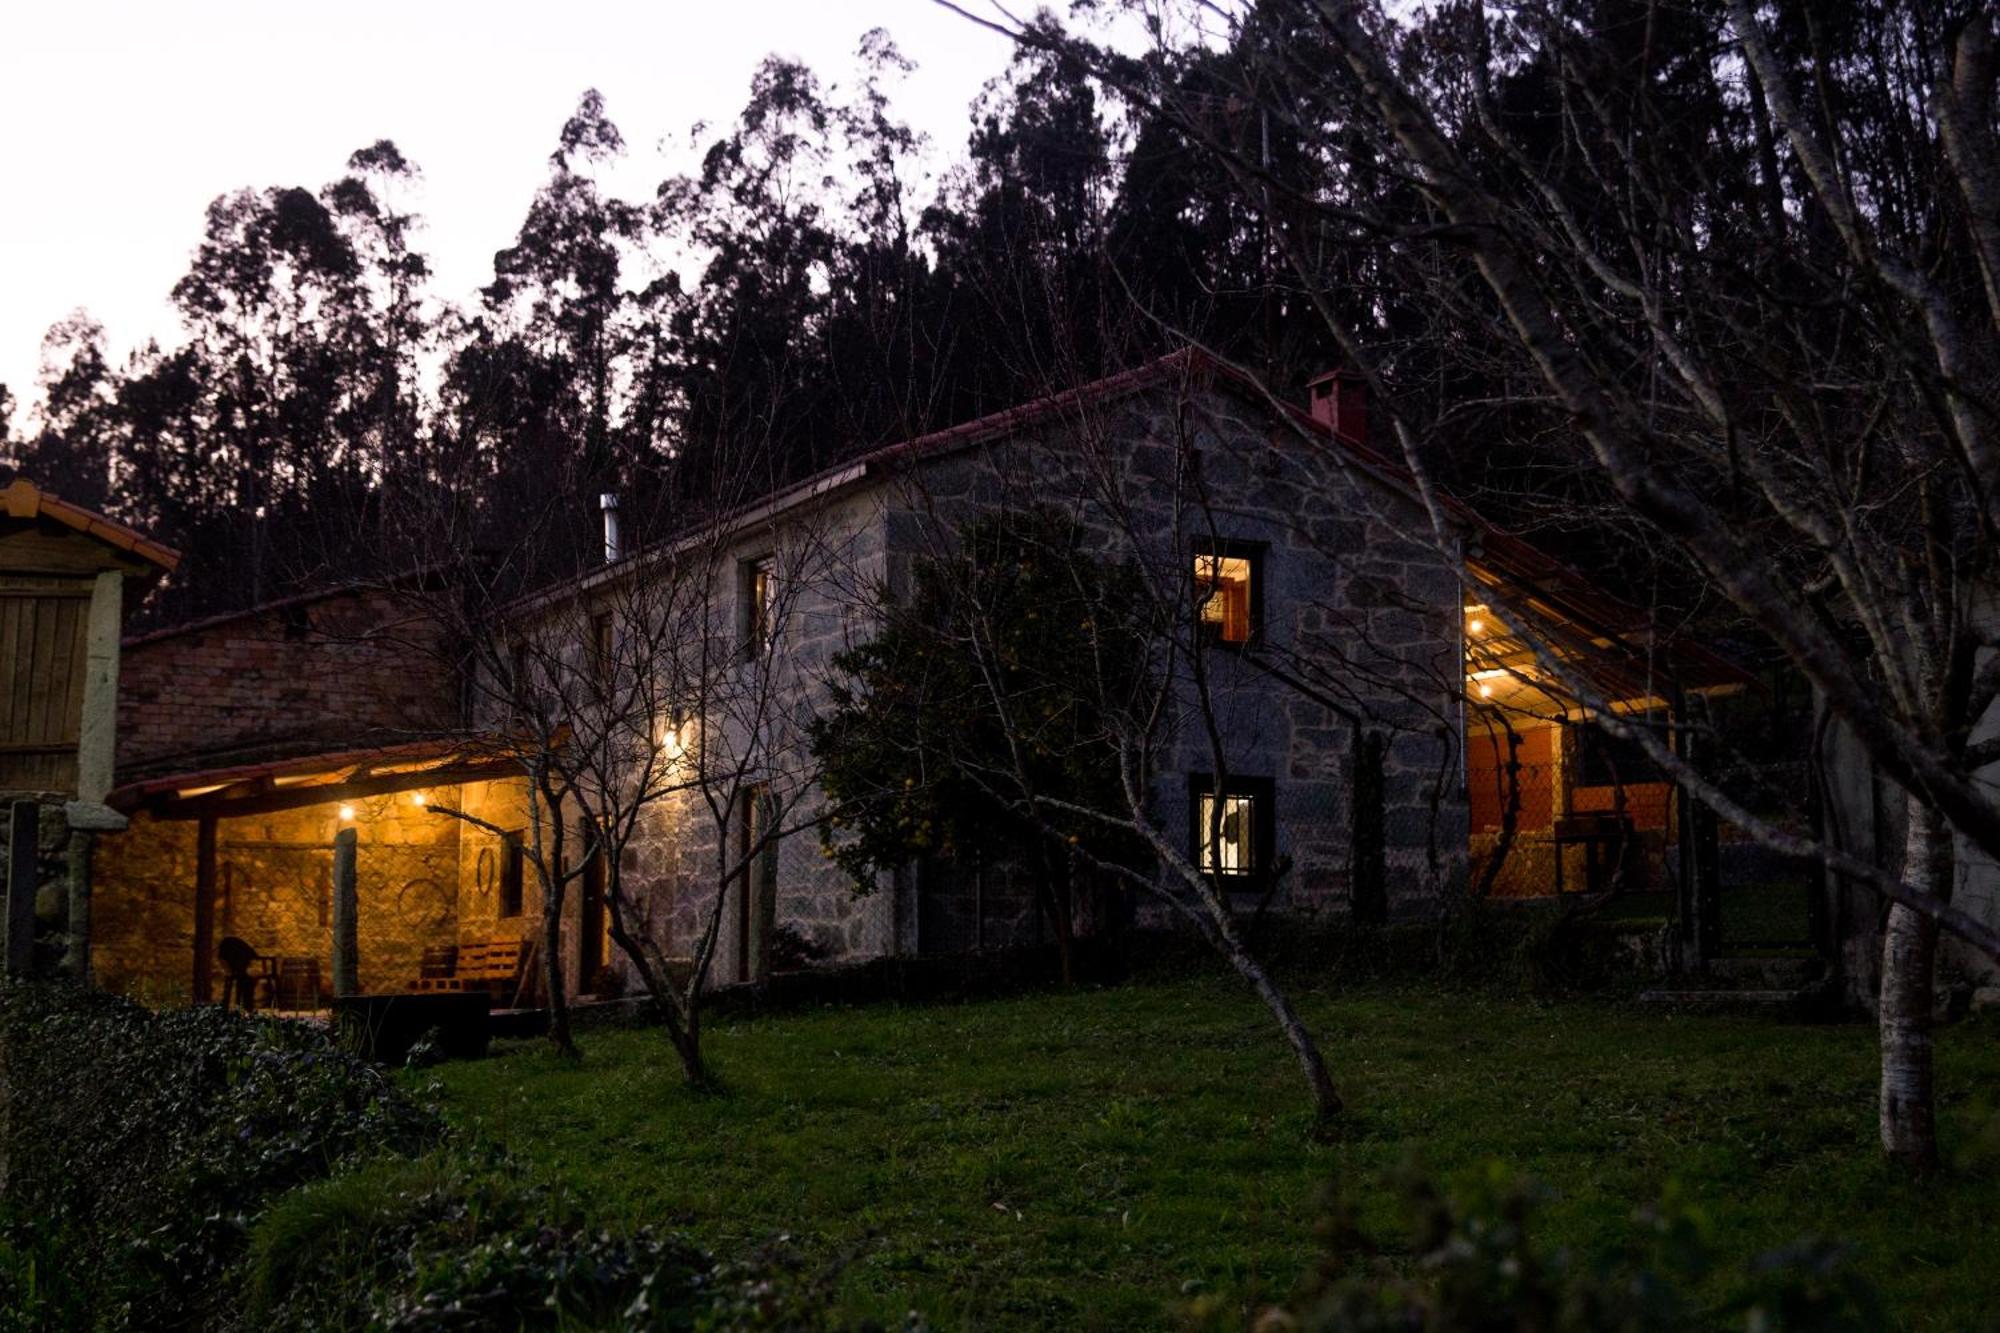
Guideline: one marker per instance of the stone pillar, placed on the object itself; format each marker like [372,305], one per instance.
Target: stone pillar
[76,953]
[97,734]
[24,846]
[346,933]
[1368,880]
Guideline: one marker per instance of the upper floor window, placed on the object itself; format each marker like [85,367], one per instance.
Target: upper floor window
[601,643]
[757,595]
[1228,589]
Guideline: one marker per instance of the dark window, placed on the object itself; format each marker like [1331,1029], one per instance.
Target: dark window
[1231,833]
[757,894]
[513,873]
[600,647]
[1229,590]
[518,692]
[1604,760]
[756,595]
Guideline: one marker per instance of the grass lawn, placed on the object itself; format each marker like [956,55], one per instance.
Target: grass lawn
[1084,1160]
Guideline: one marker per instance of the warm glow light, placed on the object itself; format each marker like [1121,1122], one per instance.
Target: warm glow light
[1475,626]
[1486,691]
[417,798]
[347,814]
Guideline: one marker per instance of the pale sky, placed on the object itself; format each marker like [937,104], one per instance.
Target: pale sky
[121,119]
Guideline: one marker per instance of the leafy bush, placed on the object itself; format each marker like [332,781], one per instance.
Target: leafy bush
[792,950]
[1475,1264]
[138,1144]
[454,1241]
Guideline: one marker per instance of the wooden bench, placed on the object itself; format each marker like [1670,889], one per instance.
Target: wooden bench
[494,966]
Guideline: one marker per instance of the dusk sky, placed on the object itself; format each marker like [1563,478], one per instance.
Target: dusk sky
[121,120]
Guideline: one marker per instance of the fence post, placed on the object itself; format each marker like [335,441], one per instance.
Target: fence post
[24,846]
[1369,889]
[346,936]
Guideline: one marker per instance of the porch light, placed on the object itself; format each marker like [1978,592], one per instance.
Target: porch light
[346,814]
[418,799]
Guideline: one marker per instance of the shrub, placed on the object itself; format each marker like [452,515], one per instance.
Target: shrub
[1475,1264]
[139,1143]
[455,1241]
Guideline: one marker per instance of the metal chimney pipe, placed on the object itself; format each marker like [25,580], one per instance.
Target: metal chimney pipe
[608,502]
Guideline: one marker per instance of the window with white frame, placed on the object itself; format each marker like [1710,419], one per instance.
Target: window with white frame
[1231,831]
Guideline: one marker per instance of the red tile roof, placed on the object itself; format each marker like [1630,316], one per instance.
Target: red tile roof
[23,499]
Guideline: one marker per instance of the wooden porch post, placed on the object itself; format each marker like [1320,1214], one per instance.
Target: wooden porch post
[204,910]
[346,934]
[1697,903]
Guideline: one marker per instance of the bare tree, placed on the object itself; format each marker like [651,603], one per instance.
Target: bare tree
[688,750]
[1084,648]
[1748,265]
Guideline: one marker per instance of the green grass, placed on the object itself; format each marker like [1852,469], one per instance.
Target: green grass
[1085,1160]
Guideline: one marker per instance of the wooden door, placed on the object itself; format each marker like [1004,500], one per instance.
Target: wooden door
[42,627]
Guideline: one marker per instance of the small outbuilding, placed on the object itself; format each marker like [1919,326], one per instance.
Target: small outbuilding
[63,576]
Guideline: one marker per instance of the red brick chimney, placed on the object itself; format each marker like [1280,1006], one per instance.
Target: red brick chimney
[1340,399]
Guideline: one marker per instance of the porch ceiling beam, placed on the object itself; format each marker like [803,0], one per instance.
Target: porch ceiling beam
[222,805]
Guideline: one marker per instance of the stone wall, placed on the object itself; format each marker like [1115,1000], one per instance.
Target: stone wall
[829,558]
[342,670]
[1350,600]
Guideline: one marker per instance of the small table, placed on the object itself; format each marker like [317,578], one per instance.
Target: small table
[1591,832]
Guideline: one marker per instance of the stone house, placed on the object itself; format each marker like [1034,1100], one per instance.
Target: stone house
[1340,677]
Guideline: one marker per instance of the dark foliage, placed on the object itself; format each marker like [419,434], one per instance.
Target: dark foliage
[139,1144]
[1473,1263]
[982,704]
[798,296]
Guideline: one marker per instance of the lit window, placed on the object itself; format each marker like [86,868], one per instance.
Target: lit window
[1226,592]
[1228,844]
[759,621]
[1233,830]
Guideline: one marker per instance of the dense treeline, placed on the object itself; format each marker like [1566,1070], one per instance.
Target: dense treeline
[793,299]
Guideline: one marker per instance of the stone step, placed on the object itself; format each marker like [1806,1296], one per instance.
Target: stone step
[1800,1000]
[1766,972]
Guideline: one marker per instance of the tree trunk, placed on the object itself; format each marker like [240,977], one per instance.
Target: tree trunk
[1909,959]
[687,1044]
[680,1018]
[1326,1101]
[552,905]
[1052,885]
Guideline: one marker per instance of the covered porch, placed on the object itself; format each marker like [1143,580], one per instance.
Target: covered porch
[224,885]
[1556,804]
